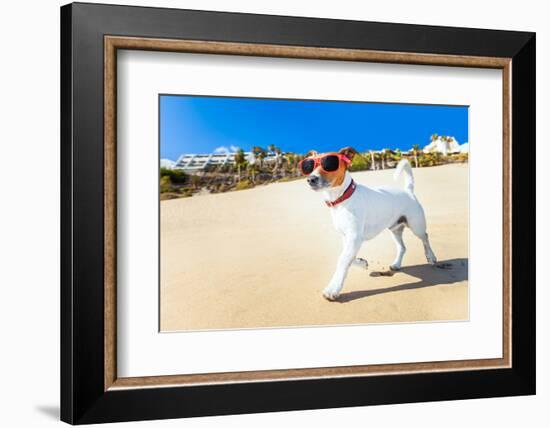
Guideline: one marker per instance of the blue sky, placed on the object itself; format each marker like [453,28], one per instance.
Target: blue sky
[195,124]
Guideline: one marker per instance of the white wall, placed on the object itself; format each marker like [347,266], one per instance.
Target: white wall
[29,242]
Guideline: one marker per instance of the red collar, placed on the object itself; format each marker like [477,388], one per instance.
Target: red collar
[346,195]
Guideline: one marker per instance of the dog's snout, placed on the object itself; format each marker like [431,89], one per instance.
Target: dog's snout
[313,179]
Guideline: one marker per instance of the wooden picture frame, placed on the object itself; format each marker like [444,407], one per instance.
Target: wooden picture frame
[91,390]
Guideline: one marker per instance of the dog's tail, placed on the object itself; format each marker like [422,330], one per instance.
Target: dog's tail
[405,166]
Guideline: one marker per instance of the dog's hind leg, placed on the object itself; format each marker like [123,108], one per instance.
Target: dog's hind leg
[418,227]
[397,233]
[430,256]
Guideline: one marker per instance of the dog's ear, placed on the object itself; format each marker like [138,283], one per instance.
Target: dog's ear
[311,153]
[348,152]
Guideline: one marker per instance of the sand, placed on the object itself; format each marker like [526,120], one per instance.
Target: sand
[261,258]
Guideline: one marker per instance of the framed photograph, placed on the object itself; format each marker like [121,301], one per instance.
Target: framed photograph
[265,213]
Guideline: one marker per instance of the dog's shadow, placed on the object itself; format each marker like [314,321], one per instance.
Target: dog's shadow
[445,272]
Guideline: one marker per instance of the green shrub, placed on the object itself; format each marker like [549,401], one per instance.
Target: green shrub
[186,193]
[165,184]
[195,180]
[177,176]
[244,184]
[359,163]
[430,159]
[461,157]
[168,195]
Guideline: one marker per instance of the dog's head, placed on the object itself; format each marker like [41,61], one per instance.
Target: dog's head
[327,169]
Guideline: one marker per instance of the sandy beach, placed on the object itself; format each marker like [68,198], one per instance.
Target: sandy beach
[261,258]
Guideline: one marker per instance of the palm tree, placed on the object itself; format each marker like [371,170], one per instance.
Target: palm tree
[271,149]
[252,170]
[278,157]
[262,156]
[388,155]
[277,151]
[290,159]
[372,161]
[240,161]
[415,149]
[398,154]
[382,155]
[260,153]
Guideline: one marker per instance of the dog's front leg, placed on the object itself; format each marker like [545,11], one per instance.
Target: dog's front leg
[349,252]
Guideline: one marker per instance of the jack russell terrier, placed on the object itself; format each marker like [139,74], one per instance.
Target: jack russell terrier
[360,213]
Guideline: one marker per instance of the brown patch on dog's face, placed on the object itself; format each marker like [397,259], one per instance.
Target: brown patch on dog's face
[336,178]
[320,179]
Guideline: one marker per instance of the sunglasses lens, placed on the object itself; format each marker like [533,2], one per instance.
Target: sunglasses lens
[307,166]
[330,163]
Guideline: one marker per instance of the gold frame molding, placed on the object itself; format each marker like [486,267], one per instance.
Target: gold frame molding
[113,43]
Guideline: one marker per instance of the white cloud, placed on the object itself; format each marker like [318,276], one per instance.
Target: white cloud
[226,150]
[221,149]
[167,163]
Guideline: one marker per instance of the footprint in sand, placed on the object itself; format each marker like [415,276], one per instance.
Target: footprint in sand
[382,273]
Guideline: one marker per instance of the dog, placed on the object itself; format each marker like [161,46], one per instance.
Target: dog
[360,213]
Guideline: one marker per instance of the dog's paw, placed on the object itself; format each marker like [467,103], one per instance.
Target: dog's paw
[362,263]
[331,294]
[431,259]
[395,267]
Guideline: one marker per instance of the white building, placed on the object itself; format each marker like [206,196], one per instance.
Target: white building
[198,162]
[443,145]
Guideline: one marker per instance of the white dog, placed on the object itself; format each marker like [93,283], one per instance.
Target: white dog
[360,213]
